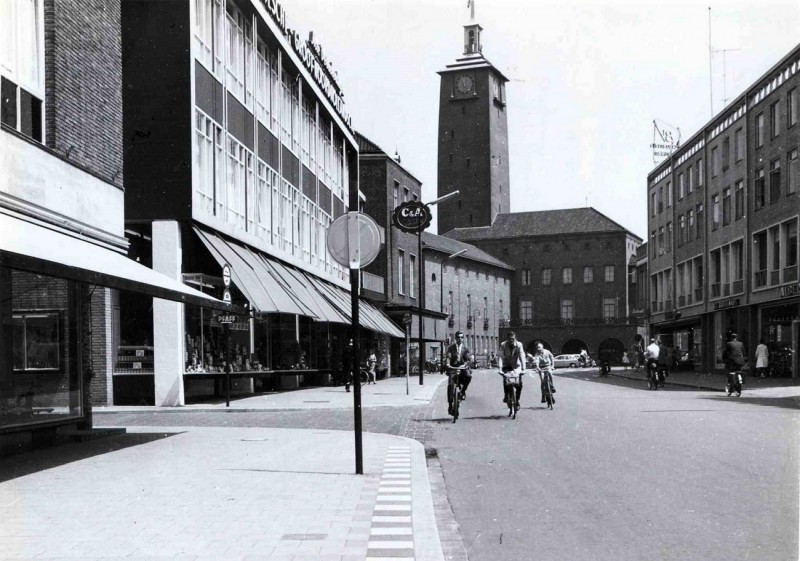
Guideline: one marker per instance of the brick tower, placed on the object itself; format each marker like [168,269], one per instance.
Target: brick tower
[473,137]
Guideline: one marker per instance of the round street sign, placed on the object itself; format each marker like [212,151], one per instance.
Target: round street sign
[226,275]
[354,240]
[412,217]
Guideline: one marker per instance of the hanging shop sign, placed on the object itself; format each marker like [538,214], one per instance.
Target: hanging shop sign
[412,217]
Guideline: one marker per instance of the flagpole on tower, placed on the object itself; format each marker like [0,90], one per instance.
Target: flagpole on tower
[471,6]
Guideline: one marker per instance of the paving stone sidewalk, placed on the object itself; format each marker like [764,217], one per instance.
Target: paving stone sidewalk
[233,493]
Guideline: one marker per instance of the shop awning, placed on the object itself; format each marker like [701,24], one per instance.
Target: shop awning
[301,286]
[252,278]
[369,316]
[45,250]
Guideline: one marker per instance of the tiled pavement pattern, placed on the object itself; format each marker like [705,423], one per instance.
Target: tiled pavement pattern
[391,536]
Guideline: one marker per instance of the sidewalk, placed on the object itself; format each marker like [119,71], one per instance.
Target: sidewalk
[767,387]
[201,493]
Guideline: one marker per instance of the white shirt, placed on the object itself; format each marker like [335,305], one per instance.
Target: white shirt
[652,350]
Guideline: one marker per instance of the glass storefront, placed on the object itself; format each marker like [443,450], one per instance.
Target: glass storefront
[779,329]
[40,341]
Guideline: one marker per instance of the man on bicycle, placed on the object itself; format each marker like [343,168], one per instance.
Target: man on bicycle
[651,355]
[456,363]
[512,362]
[544,362]
[733,356]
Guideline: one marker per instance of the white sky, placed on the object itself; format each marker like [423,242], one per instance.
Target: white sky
[588,77]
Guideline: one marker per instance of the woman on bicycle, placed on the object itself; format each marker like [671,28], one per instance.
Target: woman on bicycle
[544,363]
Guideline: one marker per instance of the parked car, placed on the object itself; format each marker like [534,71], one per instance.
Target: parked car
[567,361]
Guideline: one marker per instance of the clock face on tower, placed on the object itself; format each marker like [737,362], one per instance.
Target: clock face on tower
[465,84]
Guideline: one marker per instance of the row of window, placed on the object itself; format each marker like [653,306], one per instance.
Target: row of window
[254,73]
[730,205]
[412,273]
[401,194]
[526,275]
[235,185]
[792,105]
[763,194]
[775,257]
[567,310]
[721,155]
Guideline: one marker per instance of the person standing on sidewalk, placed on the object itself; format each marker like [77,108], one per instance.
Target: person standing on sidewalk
[347,365]
[762,358]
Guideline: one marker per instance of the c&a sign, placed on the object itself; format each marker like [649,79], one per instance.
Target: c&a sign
[412,217]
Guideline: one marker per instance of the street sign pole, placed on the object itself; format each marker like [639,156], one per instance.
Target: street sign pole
[419,305]
[354,242]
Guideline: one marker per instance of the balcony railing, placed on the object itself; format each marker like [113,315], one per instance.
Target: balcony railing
[654,305]
[681,301]
[570,322]
[668,305]
[775,277]
[738,286]
[790,274]
[716,290]
[689,299]
[726,289]
[760,278]
[698,294]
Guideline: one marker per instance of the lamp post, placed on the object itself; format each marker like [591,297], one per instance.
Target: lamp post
[441,300]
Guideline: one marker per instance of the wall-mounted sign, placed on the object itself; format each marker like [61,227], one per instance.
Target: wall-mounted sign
[227,318]
[226,275]
[412,217]
[729,303]
[226,295]
[790,290]
[311,55]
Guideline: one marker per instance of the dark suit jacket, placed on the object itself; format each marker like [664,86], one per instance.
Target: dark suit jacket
[452,358]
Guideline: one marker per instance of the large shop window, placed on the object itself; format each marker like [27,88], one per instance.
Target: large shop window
[39,373]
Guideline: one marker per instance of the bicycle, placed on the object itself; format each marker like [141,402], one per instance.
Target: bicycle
[454,392]
[547,387]
[511,383]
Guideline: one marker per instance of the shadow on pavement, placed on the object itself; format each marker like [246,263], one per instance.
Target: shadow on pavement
[615,380]
[783,402]
[26,463]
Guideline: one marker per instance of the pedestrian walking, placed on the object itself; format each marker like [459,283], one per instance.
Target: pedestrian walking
[625,361]
[762,358]
[372,361]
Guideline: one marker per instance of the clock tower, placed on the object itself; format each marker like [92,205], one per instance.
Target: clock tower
[473,137]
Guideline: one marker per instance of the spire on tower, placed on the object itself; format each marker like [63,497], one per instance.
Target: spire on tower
[472,32]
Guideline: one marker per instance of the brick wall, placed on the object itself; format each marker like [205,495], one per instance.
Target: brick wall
[102,356]
[83,76]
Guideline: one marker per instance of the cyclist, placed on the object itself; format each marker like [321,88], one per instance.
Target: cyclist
[733,357]
[651,355]
[512,362]
[545,363]
[456,363]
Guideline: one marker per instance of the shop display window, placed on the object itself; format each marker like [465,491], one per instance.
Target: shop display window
[39,378]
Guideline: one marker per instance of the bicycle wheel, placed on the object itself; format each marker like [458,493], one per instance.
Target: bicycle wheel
[363,377]
[455,402]
[548,393]
[510,398]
